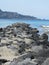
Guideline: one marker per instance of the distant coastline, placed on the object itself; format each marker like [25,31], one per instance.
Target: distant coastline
[15,15]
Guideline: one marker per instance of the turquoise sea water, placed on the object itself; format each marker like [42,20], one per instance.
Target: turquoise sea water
[33,23]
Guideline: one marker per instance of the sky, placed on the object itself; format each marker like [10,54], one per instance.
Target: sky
[37,8]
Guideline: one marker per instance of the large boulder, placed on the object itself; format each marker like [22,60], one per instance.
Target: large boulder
[43,39]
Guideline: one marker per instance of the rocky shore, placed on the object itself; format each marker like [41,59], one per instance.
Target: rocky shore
[22,45]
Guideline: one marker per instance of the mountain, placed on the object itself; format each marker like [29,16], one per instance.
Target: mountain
[15,15]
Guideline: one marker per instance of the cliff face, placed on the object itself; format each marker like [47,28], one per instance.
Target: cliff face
[14,15]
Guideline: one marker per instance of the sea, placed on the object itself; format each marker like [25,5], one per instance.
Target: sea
[33,23]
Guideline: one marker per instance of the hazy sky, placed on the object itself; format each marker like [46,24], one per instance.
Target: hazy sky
[37,8]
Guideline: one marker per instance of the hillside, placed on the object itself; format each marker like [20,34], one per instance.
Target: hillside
[15,15]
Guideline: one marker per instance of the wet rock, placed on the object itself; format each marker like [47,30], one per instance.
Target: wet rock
[0,39]
[3,60]
[1,29]
[7,63]
[34,30]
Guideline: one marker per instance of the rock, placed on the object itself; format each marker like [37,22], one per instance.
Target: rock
[46,62]
[22,45]
[21,50]
[27,61]
[44,37]
[3,41]
[34,30]
[7,63]
[20,25]
[1,29]
[3,60]
[34,62]
[35,37]
[6,53]
[28,41]
[37,49]
[24,62]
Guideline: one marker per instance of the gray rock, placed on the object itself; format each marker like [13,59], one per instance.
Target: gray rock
[46,62]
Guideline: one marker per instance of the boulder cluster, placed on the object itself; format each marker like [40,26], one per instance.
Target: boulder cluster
[21,44]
